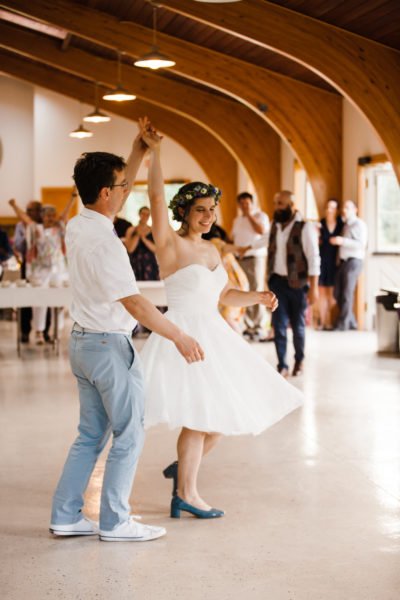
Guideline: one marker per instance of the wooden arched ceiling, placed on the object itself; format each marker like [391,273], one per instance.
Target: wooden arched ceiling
[365,72]
[248,137]
[308,118]
[215,160]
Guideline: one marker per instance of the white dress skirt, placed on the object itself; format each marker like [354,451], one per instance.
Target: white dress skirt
[234,390]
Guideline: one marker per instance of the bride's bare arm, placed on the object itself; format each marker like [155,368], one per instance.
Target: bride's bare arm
[232,297]
[163,233]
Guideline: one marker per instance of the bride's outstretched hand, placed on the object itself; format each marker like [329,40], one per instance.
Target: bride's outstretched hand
[189,348]
[149,134]
[268,299]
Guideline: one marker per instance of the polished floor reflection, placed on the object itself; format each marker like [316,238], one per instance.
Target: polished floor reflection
[312,505]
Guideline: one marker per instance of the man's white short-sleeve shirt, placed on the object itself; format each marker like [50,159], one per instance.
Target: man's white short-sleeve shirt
[100,274]
[244,234]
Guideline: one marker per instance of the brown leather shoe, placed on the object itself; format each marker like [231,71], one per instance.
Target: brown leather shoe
[284,372]
[298,368]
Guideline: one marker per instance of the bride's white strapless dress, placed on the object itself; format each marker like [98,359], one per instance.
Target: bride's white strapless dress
[234,390]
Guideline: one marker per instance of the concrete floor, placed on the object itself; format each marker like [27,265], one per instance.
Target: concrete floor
[312,505]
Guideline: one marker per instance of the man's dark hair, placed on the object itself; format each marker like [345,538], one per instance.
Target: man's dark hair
[244,195]
[94,171]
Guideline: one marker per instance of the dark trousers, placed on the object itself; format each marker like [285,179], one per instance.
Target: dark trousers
[345,285]
[26,313]
[291,310]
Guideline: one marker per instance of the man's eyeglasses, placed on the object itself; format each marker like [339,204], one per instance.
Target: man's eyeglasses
[124,185]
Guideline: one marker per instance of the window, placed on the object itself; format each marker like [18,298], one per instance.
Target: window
[139,197]
[388,210]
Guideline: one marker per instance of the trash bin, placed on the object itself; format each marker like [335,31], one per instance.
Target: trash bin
[387,320]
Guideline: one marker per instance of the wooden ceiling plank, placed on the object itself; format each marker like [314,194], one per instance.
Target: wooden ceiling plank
[365,72]
[218,164]
[250,139]
[309,119]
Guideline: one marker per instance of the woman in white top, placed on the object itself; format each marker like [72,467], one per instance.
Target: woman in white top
[45,257]
[233,391]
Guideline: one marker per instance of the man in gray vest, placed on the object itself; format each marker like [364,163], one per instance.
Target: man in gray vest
[293,270]
[352,245]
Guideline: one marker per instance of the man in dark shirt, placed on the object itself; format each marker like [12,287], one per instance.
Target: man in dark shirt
[5,246]
[121,226]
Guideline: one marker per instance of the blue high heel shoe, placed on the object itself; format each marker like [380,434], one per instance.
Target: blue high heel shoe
[171,472]
[177,504]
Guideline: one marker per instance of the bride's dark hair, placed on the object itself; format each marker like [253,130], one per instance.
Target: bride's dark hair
[186,196]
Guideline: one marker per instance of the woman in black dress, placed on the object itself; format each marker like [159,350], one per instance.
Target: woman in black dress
[330,226]
[141,248]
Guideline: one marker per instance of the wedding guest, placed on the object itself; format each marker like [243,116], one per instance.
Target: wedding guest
[33,211]
[352,247]
[141,249]
[6,250]
[45,255]
[234,315]
[121,226]
[331,225]
[293,271]
[248,228]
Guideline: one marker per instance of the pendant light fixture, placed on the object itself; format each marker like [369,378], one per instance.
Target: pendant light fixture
[80,132]
[154,59]
[96,116]
[119,94]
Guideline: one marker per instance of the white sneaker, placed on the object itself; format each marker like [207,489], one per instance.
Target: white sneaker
[130,531]
[83,527]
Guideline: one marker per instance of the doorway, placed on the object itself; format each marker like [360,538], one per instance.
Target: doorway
[379,205]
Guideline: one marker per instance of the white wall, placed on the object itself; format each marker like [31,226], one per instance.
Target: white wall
[359,139]
[37,151]
[16,142]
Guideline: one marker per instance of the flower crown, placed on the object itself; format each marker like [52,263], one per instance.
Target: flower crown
[190,192]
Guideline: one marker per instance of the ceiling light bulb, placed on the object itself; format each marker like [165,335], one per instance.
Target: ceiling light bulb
[119,94]
[81,133]
[154,60]
[97,117]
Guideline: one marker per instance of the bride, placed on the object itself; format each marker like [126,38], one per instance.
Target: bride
[233,390]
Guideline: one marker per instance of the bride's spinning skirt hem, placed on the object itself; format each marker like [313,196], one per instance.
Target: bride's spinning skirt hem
[234,390]
[178,425]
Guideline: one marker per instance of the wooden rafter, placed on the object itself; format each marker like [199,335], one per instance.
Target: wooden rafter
[309,119]
[248,137]
[215,160]
[366,72]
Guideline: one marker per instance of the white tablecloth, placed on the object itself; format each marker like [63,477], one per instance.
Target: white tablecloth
[18,297]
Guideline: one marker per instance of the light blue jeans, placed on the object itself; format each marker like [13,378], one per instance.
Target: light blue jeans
[111,398]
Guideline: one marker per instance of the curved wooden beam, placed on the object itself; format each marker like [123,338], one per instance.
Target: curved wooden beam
[309,119]
[214,159]
[251,140]
[366,72]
